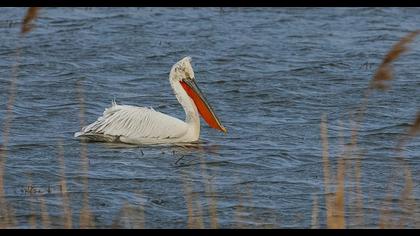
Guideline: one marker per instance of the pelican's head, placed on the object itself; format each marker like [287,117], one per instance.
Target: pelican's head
[182,69]
[182,72]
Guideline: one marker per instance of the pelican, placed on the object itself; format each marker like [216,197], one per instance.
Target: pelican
[141,125]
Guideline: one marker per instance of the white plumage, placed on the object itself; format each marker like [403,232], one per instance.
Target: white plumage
[140,125]
[122,123]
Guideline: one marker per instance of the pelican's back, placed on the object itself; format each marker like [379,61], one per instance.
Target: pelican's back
[132,124]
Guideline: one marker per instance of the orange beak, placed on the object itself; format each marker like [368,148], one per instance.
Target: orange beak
[204,108]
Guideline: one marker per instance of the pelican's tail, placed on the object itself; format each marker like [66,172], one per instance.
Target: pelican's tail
[88,132]
[96,137]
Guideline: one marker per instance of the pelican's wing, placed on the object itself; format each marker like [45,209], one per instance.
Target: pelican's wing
[135,123]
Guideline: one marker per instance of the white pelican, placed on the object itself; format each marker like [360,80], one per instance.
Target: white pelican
[140,125]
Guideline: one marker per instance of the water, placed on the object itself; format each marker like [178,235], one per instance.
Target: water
[270,75]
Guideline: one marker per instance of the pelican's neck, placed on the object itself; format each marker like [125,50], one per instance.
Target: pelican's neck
[191,112]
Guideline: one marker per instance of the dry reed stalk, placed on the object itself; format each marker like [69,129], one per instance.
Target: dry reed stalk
[411,133]
[325,153]
[140,223]
[415,128]
[239,211]
[385,213]
[249,203]
[380,81]
[353,173]
[339,219]
[31,15]
[384,72]
[383,75]
[11,215]
[358,191]
[64,193]
[334,203]
[7,122]
[86,219]
[210,192]
[357,173]
[199,213]
[315,213]
[7,213]
[127,213]
[213,209]
[193,221]
[32,218]
[407,202]
[119,216]
[191,218]
[45,219]
[244,199]
[326,169]
[6,132]
[335,212]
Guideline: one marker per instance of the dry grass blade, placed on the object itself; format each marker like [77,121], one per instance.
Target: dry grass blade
[130,216]
[30,16]
[199,212]
[212,203]
[325,153]
[244,218]
[384,72]
[46,222]
[140,220]
[339,220]
[407,199]
[120,220]
[385,213]
[415,128]
[126,213]
[239,212]
[7,122]
[400,47]
[194,221]
[356,174]
[334,203]
[326,170]
[86,218]
[32,217]
[64,192]
[190,208]
[358,191]
[412,131]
